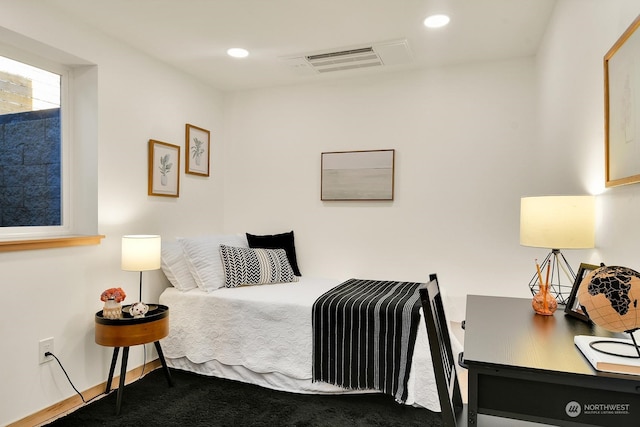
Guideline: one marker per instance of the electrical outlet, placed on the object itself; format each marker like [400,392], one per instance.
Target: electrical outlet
[46,345]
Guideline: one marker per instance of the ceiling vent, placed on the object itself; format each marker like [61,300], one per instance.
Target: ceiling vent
[373,55]
[344,60]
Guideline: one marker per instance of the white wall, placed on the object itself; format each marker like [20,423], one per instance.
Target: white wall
[464,141]
[470,140]
[572,110]
[55,293]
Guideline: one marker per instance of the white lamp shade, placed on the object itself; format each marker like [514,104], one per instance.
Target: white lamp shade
[141,252]
[558,222]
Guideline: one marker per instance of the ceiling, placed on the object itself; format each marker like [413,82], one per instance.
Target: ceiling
[193,35]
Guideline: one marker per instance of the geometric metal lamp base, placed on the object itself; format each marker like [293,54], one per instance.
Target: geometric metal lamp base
[557,288]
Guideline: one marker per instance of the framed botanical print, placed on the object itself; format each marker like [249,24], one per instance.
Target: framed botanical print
[164,169]
[197,146]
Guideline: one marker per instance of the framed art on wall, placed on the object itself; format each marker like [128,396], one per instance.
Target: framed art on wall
[197,146]
[573,307]
[164,169]
[622,112]
[357,175]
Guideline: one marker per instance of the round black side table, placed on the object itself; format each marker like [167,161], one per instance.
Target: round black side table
[128,331]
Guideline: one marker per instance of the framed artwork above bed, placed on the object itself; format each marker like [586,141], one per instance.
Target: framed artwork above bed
[164,169]
[197,146]
[357,175]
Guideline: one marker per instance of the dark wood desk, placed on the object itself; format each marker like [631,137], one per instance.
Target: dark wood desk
[525,366]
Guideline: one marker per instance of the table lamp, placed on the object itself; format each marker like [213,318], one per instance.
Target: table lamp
[141,252]
[557,222]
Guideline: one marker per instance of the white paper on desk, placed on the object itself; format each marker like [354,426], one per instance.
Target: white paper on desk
[607,362]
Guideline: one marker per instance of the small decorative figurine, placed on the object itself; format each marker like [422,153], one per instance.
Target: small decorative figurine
[138,309]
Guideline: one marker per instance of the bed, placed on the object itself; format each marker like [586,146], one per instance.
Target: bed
[257,334]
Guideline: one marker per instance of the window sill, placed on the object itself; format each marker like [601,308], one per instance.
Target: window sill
[49,242]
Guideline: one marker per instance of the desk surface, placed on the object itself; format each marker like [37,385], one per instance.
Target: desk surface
[506,331]
[525,366]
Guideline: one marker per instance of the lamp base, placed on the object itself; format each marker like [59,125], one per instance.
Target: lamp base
[561,291]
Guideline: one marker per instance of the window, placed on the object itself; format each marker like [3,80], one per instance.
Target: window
[66,112]
[31,186]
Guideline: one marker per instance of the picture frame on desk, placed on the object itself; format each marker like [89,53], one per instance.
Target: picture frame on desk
[573,307]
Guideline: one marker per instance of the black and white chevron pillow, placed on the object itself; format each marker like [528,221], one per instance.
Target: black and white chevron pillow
[245,266]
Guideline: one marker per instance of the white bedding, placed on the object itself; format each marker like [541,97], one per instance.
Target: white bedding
[263,335]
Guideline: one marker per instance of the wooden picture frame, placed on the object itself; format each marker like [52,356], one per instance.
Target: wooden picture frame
[197,150]
[573,307]
[164,169]
[622,113]
[357,175]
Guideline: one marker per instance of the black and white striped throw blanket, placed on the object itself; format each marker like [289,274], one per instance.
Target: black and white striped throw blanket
[364,333]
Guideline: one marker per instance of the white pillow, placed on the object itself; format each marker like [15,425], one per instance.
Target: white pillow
[203,258]
[175,266]
[244,266]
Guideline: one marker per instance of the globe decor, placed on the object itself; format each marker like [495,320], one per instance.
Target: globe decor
[609,296]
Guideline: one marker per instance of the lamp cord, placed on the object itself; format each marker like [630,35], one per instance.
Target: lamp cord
[144,360]
[48,353]
[144,364]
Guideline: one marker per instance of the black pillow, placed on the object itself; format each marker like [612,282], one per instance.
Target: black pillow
[277,241]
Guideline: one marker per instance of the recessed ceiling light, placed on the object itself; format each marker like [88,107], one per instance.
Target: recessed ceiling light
[436,21]
[238,52]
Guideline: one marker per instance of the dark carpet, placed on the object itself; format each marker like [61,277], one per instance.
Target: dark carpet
[197,400]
